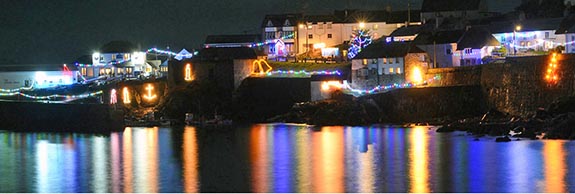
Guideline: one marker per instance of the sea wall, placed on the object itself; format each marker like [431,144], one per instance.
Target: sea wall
[516,86]
[26,116]
[424,104]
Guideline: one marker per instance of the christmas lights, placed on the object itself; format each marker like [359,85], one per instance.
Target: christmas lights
[113,97]
[188,72]
[551,75]
[271,41]
[126,95]
[346,88]
[150,96]
[70,97]
[302,72]
[258,68]
[360,39]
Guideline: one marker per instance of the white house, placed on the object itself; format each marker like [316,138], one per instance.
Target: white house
[37,75]
[519,37]
[385,63]
[454,48]
[118,58]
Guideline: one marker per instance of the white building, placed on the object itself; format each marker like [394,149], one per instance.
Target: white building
[118,58]
[520,37]
[36,76]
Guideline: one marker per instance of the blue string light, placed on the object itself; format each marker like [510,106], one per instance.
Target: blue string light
[53,96]
[302,72]
[378,89]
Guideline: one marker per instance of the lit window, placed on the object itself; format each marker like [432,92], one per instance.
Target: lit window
[384,60]
[390,70]
[365,61]
[398,70]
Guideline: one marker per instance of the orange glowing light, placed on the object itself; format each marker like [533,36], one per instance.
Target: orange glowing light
[416,77]
[551,75]
[126,95]
[258,68]
[329,85]
[150,95]
[188,73]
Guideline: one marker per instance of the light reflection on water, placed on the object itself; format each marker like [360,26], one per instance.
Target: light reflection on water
[282,158]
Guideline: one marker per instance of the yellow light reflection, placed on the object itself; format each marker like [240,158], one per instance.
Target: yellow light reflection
[259,159]
[328,164]
[419,161]
[152,158]
[366,174]
[328,85]
[99,162]
[190,157]
[303,161]
[555,167]
[128,165]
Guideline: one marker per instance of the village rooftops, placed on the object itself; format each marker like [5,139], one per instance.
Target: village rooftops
[232,40]
[282,20]
[526,25]
[381,49]
[228,53]
[476,38]
[438,37]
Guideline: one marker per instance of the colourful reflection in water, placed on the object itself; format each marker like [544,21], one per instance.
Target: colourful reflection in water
[303,154]
[259,158]
[127,161]
[190,158]
[419,171]
[328,163]
[555,168]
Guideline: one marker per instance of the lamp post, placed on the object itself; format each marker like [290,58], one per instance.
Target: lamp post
[515,30]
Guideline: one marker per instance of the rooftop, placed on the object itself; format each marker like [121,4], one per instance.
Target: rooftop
[450,5]
[381,49]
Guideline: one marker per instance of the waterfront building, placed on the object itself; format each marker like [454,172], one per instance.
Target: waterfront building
[528,37]
[16,76]
[225,66]
[385,63]
[281,32]
[118,58]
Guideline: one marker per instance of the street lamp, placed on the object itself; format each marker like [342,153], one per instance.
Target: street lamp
[515,30]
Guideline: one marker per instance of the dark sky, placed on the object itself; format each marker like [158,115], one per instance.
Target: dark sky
[59,31]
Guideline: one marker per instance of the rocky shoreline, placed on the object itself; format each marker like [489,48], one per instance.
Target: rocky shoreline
[557,121]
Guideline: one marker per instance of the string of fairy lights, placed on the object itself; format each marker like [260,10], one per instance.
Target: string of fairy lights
[53,96]
[301,73]
[346,88]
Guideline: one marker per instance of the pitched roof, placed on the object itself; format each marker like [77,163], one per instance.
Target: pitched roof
[279,20]
[35,67]
[449,5]
[383,49]
[228,53]
[241,38]
[407,31]
[476,38]
[439,37]
[526,25]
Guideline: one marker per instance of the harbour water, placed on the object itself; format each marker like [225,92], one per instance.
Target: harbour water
[282,158]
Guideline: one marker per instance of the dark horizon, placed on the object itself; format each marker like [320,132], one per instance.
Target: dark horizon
[61,31]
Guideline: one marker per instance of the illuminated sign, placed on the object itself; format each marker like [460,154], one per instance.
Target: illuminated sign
[150,96]
[188,72]
[126,95]
[113,98]
[258,68]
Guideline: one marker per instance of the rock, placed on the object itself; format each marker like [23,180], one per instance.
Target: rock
[502,139]
[445,129]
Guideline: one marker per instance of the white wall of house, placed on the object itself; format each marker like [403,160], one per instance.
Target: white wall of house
[445,54]
[543,40]
[332,34]
[40,79]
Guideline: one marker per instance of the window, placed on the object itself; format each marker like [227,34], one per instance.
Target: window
[398,70]
[468,51]
[448,51]
[329,36]
[546,34]
[320,25]
[354,28]
[375,26]
[397,60]
[113,57]
[365,61]
[384,60]
[390,70]
[329,25]
[391,60]
[310,36]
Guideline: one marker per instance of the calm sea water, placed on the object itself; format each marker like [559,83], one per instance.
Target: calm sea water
[282,158]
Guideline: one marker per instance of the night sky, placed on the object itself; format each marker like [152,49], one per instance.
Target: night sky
[59,31]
